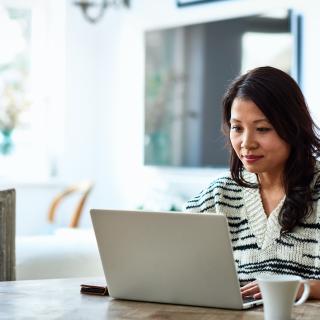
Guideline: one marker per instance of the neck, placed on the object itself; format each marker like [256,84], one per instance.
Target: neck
[269,181]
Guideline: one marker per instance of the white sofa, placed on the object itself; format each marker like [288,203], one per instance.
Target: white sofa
[63,254]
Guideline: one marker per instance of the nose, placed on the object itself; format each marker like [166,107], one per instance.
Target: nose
[249,141]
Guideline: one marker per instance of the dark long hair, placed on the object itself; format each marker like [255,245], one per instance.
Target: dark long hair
[280,99]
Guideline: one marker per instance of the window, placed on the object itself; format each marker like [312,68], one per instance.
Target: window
[28,90]
[187,70]
[256,50]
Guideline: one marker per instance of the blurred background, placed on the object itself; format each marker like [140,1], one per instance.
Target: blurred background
[126,95]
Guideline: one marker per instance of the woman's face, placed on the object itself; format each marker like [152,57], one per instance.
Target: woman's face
[255,141]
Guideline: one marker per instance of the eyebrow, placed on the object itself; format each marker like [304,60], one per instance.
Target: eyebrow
[255,121]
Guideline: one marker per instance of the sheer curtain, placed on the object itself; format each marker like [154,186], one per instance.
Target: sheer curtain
[31,88]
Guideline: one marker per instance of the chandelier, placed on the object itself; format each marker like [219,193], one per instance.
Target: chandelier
[93,11]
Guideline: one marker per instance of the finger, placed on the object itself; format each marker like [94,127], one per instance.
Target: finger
[250,284]
[250,291]
[257,296]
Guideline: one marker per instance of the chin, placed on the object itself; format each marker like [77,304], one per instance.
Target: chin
[253,168]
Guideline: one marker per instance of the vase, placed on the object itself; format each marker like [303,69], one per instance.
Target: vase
[6,145]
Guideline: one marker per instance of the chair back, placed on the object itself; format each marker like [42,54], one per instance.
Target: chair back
[84,189]
[7,235]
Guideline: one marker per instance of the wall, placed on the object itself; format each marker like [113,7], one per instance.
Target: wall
[311,61]
[103,122]
[104,97]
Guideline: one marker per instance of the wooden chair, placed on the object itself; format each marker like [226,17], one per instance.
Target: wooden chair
[84,189]
[7,235]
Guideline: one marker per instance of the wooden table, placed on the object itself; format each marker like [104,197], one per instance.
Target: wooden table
[61,299]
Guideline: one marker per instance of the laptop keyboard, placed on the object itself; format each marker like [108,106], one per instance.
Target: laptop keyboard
[248,299]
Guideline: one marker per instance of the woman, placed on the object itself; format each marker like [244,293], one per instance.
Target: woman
[271,197]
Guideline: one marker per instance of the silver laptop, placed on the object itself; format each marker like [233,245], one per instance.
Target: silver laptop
[178,258]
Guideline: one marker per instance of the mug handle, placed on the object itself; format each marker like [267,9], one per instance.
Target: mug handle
[306,291]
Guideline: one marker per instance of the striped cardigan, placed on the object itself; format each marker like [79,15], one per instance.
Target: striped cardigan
[257,245]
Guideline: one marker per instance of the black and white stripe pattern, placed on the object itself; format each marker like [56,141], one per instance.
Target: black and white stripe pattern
[223,192]
[257,244]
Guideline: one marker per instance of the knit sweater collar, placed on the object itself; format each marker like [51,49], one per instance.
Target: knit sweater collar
[266,229]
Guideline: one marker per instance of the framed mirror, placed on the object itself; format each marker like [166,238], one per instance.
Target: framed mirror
[187,70]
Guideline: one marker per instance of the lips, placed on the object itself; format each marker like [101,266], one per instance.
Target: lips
[252,158]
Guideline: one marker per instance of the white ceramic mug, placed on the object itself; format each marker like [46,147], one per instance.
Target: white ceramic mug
[279,293]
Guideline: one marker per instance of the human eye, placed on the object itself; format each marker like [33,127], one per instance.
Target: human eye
[235,128]
[263,129]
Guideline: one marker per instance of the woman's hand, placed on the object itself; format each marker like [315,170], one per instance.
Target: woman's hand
[251,289]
